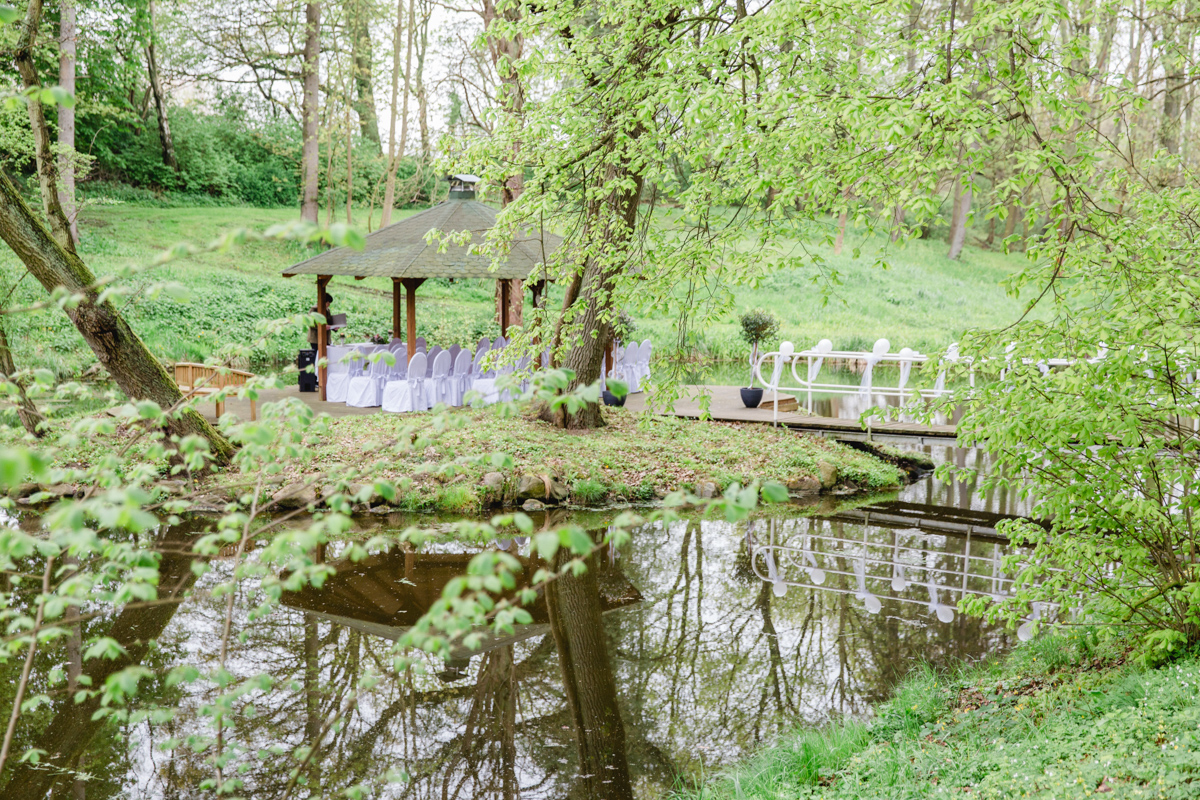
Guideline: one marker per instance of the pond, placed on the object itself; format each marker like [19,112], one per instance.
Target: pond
[683,653]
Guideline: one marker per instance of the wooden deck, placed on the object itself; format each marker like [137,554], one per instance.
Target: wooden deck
[725,406]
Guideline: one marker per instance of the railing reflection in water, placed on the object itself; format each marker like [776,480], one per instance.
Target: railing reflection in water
[880,564]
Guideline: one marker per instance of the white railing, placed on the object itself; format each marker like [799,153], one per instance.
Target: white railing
[813,359]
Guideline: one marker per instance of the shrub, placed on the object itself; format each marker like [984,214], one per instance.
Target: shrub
[588,491]
[758,326]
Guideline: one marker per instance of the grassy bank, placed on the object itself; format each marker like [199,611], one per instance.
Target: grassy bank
[1057,718]
[924,300]
[442,463]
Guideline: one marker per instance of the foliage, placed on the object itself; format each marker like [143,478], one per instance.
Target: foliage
[1045,723]
[758,326]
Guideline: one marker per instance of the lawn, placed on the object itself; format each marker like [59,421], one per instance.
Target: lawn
[1058,718]
[923,300]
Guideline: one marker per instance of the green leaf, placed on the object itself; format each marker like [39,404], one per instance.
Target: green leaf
[9,14]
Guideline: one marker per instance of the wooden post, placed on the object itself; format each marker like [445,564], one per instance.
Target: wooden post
[322,333]
[410,298]
[505,310]
[395,308]
[516,301]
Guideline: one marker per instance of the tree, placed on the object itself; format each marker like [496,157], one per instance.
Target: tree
[67,48]
[47,172]
[117,347]
[363,56]
[156,90]
[310,157]
[396,149]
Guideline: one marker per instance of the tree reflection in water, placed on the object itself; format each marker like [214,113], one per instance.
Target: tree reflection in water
[665,660]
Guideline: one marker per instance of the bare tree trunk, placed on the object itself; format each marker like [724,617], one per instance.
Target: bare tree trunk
[363,57]
[31,419]
[349,171]
[66,117]
[958,216]
[840,238]
[160,103]
[419,82]
[312,693]
[60,227]
[505,54]
[310,157]
[120,351]
[394,156]
[574,609]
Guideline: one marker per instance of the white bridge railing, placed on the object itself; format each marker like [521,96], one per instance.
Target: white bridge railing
[810,362]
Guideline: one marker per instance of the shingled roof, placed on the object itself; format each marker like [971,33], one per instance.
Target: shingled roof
[400,249]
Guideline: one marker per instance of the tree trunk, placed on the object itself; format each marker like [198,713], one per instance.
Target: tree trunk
[396,153]
[574,609]
[31,419]
[505,54]
[419,82]
[60,227]
[66,117]
[840,238]
[589,297]
[958,216]
[72,726]
[310,159]
[364,57]
[1173,66]
[118,348]
[312,694]
[160,102]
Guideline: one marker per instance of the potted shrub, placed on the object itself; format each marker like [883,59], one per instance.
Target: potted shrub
[758,326]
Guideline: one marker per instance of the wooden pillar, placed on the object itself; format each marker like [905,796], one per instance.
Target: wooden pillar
[395,308]
[322,333]
[505,306]
[410,301]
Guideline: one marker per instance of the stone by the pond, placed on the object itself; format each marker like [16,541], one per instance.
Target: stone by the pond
[828,473]
[805,485]
[707,490]
[532,505]
[22,490]
[494,481]
[295,495]
[542,487]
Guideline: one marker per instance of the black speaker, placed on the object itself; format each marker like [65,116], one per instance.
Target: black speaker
[308,377]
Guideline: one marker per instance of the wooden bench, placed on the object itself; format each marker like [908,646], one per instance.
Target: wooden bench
[202,379]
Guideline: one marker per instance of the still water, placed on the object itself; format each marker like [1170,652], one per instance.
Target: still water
[699,643]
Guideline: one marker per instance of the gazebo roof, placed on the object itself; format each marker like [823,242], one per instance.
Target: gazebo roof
[400,249]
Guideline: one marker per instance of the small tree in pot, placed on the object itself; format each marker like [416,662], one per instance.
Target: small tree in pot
[757,327]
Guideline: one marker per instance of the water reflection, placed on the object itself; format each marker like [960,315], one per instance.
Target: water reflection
[695,645]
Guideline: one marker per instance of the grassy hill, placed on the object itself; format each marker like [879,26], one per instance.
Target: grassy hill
[923,301]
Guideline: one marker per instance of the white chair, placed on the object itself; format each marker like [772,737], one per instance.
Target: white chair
[629,368]
[460,378]
[644,362]
[483,344]
[438,387]
[499,344]
[455,349]
[366,391]
[408,394]
[420,344]
[484,381]
[344,363]
[431,359]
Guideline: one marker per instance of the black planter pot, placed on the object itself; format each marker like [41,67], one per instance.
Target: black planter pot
[751,397]
[611,399]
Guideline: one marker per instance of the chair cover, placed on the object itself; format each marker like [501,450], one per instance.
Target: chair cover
[401,396]
[483,344]
[460,378]
[438,387]
[455,349]
[431,359]
[366,391]
[629,368]
[420,344]
[345,362]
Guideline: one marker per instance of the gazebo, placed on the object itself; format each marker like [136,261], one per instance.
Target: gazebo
[400,252]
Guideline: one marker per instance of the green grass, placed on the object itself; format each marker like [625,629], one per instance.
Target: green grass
[1054,719]
[923,301]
